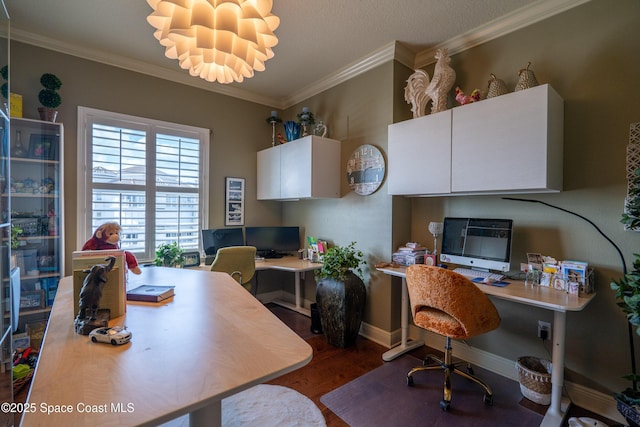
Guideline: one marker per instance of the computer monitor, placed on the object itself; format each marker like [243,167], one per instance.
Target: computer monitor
[483,244]
[273,241]
[216,238]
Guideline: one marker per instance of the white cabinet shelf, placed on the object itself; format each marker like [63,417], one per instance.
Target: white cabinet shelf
[306,168]
[509,144]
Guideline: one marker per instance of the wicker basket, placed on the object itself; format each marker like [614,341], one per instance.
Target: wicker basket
[18,384]
[534,375]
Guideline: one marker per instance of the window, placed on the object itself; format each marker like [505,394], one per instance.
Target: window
[147,175]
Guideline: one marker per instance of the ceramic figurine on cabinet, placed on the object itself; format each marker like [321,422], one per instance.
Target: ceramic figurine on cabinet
[415,93]
[527,79]
[320,129]
[497,87]
[466,99]
[443,79]
[419,90]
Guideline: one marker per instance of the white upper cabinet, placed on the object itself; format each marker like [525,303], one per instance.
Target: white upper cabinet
[508,144]
[306,168]
[268,186]
[511,143]
[420,155]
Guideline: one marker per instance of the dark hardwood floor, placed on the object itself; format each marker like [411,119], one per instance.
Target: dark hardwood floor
[332,367]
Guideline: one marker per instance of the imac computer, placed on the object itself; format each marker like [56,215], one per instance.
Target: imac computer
[216,238]
[273,242]
[482,244]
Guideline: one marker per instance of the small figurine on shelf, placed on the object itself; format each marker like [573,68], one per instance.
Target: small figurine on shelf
[306,118]
[466,99]
[107,236]
[51,214]
[273,119]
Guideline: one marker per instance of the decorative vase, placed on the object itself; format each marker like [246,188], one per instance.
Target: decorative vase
[291,130]
[341,306]
[48,114]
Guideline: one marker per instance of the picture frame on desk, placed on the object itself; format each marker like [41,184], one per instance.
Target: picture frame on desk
[191,259]
[234,201]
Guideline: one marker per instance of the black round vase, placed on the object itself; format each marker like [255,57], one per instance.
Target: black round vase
[341,306]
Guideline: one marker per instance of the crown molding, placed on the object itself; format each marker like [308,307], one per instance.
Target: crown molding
[502,26]
[177,76]
[362,65]
[521,18]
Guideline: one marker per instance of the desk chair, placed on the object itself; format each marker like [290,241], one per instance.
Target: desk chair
[238,261]
[449,304]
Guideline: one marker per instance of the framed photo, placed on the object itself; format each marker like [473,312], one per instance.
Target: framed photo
[234,201]
[32,300]
[191,259]
[42,146]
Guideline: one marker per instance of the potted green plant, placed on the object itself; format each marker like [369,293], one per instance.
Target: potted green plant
[169,255]
[16,232]
[49,97]
[627,289]
[341,294]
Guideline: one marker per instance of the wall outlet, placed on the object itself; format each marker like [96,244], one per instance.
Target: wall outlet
[544,330]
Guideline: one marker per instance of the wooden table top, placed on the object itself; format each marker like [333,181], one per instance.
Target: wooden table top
[516,291]
[209,341]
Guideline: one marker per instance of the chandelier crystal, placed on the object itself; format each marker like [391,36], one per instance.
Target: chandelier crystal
[217,40]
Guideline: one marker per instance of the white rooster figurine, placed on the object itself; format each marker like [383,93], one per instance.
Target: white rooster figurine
[415,93]
[420,90]
[443,79]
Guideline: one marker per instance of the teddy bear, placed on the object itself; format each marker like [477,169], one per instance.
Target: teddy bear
[107,236]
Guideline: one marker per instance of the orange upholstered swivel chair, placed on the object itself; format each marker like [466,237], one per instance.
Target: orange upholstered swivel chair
[449,304]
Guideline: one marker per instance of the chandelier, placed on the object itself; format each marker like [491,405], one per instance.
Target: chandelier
[217,40]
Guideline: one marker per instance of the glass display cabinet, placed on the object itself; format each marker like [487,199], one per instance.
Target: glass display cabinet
[6,320]
[35,190]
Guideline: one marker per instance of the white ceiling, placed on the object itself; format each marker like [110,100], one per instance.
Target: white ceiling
[321,42]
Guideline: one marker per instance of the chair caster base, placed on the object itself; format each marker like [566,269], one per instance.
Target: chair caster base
[445,406]
[409,381]
[488,399]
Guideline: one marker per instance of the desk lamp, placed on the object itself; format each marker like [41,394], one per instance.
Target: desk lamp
[435,228]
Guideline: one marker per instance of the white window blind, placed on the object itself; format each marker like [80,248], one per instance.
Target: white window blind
[146,175]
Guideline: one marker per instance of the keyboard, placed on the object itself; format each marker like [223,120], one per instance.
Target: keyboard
[472,274]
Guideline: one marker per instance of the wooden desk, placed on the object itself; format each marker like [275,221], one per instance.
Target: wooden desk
[287,263]
[212,340]
[538,296]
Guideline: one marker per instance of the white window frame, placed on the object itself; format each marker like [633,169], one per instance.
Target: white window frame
[87,116]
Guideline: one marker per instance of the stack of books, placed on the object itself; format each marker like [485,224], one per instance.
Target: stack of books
[409,254]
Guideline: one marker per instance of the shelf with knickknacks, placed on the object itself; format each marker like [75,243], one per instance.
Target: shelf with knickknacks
[273,119]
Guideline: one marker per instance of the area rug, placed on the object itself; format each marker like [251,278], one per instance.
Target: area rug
[270,406]
[382,398]
[265,405]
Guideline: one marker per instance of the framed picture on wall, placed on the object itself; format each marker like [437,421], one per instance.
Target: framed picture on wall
[234,201]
